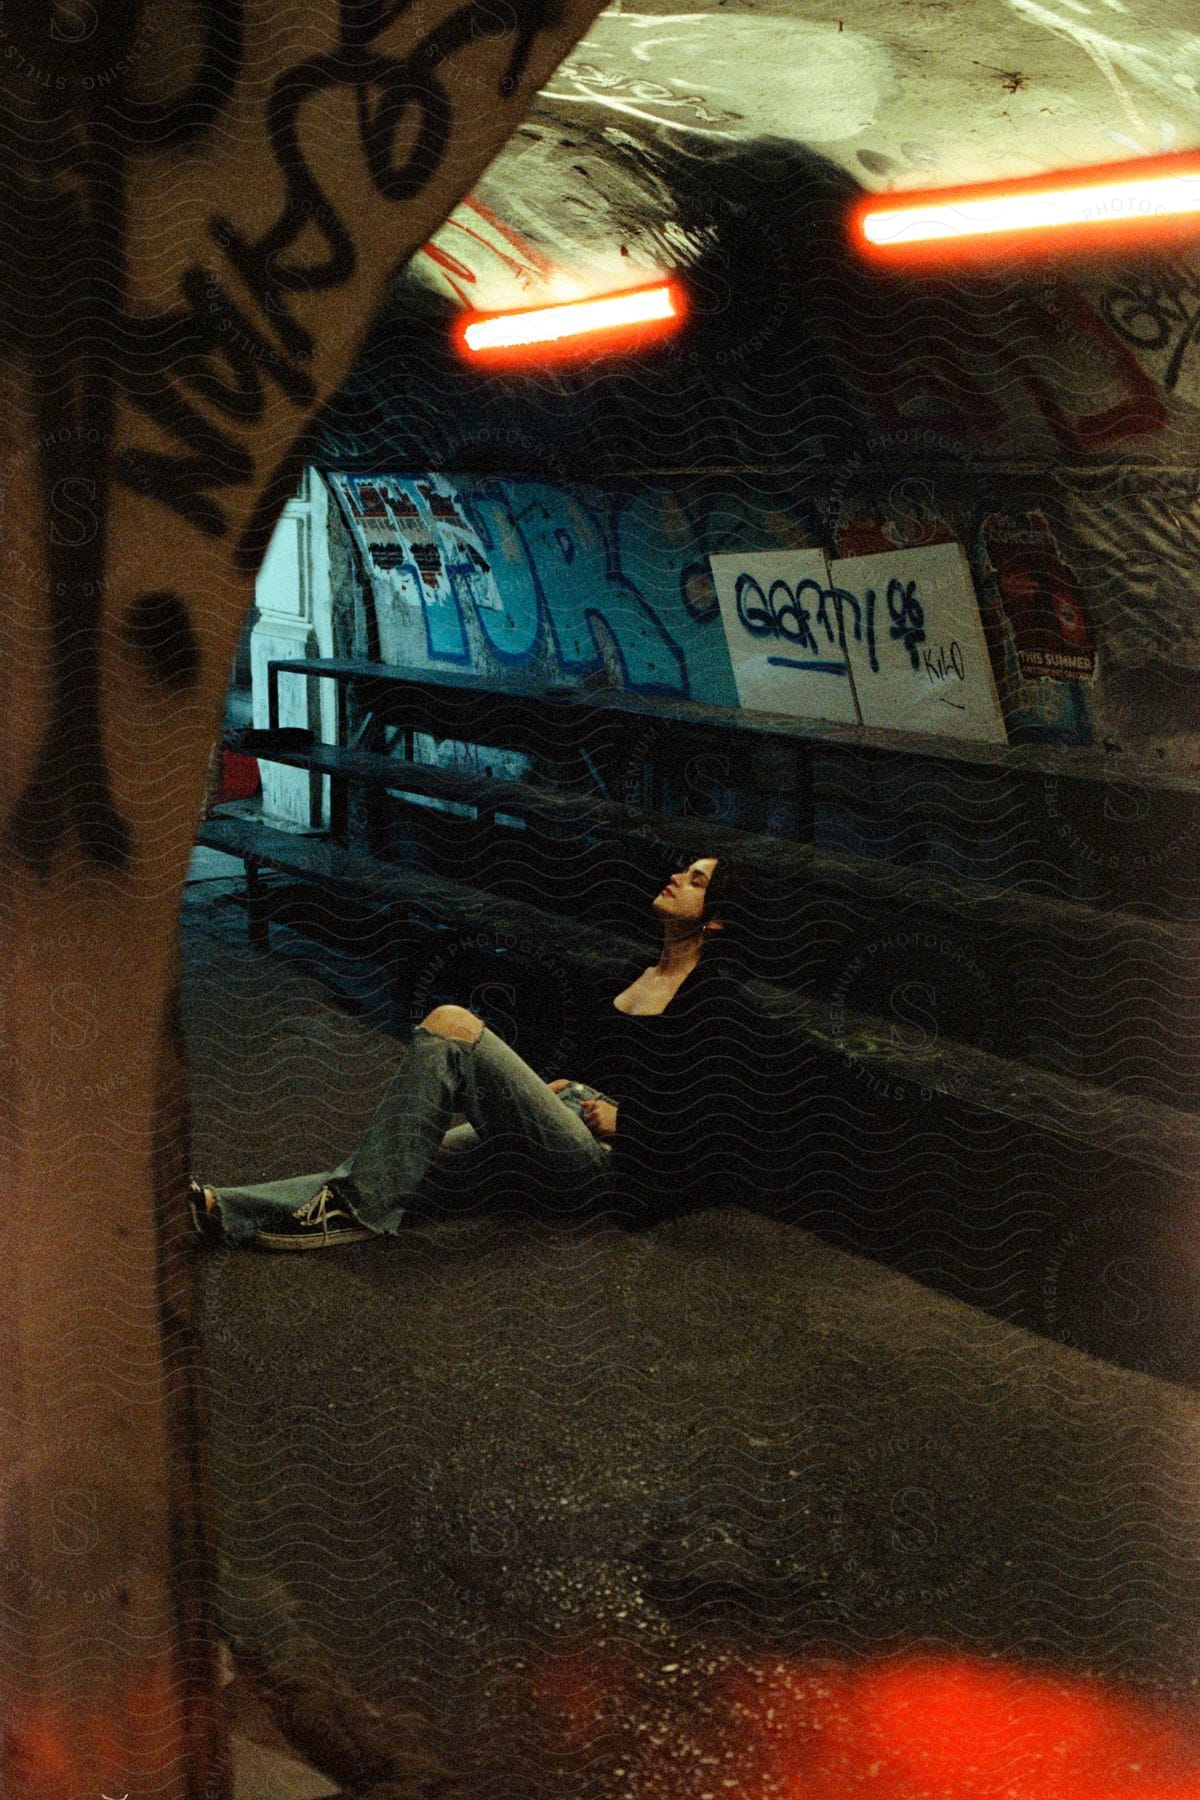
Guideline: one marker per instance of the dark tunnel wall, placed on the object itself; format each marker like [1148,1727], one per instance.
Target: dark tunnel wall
[1043,420]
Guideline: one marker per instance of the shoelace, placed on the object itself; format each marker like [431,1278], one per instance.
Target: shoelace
[317,1211]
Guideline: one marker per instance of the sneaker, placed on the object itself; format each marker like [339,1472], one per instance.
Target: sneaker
[320,1225]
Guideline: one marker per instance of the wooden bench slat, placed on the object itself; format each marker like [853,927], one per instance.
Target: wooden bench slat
[1037,760]
[368,768]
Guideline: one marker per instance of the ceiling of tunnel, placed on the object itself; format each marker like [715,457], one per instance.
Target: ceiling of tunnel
[604,184]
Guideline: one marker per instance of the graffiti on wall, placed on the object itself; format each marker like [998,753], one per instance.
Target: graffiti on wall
[786,632]
[892,640]
[554,584]
[505,576]
[1068,381]
[1157,311]
[1031,605]
[932,671]
[481,261]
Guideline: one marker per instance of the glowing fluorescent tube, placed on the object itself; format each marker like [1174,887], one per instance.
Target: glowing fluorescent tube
[573,325]
[1156,197]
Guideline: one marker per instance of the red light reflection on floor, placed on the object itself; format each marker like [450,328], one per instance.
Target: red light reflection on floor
[38,1760]
[921,1728]
[44,1753]
[953,1729]
[581,1697]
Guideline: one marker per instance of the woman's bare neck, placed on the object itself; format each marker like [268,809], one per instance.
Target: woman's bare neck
[679,955]
[654,989]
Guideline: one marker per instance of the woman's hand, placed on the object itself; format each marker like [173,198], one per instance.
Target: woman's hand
[600,1117]
[556,1087]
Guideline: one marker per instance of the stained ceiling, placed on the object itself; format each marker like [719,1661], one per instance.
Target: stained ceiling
[727,147]
[896,93]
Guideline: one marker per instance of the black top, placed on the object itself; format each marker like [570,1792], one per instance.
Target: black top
[683,1082]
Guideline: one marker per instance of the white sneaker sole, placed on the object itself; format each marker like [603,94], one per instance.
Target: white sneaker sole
[313,1240]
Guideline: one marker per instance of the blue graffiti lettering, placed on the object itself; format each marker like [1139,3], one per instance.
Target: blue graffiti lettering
[445,636]
[908,617]
[757,619]
[812,668]
[514,631]
[864,621]
[536,572]
[585,594]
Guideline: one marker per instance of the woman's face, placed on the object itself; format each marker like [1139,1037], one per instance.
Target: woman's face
[682,900]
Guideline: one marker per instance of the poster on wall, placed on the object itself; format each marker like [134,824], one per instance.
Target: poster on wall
[1041,599]
[423,561]
[782,632]
[915,644]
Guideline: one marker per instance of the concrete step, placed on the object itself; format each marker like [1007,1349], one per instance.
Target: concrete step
[850,1043]
[1101,992]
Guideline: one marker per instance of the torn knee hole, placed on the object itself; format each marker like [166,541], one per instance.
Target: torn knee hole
[453,1022]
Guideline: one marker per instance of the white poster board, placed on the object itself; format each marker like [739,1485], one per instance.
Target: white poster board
[782,633]
[915,643]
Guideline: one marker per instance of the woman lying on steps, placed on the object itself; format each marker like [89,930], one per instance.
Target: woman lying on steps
[658,1108]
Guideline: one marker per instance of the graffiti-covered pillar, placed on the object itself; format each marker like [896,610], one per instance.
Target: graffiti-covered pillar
[201,208]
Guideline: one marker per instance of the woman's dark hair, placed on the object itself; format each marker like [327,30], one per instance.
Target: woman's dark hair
[721,901]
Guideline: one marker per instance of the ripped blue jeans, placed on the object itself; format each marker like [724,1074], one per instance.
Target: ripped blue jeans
[410,1148]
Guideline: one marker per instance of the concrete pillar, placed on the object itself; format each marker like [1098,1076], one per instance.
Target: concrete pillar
[202,211]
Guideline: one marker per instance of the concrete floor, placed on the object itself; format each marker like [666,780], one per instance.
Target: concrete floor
[659,1515]
[265,1774]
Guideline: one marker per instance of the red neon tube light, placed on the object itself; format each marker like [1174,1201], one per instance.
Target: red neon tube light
[1109,205]
[572,327]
